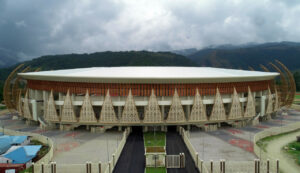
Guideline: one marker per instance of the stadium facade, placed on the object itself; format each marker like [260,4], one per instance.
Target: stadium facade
[148,96]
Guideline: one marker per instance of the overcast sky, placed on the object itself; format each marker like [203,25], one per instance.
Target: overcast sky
[32,28]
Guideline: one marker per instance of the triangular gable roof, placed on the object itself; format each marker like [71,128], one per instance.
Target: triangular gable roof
[236,108]
[152,112]
[198,113]
[218,110]
[23,154]
[176,113]
[130,113]
[51,114]
[87,114]
[68,114]
[108,114]
[250,107]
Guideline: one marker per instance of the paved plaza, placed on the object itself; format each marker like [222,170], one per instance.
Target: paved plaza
[76,146]
[235,144]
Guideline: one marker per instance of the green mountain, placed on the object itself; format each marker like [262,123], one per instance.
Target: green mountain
[249,55]
[101,59]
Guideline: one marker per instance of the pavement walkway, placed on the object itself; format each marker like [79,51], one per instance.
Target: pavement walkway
[274,149]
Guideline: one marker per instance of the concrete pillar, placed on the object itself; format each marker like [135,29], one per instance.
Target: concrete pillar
[188,111]
[145,128]
[262,105]
[73,97]
[45,99]
[119,111]
[163,111]
[34,110]
[60,98]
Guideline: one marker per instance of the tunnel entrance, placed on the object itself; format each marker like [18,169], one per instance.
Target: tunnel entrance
[137,129]
[172,128]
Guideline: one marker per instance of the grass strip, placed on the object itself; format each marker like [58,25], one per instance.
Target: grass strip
[156,139]
[156,170]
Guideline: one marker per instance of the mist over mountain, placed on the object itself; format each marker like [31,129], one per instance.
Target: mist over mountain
[7,58]
[243,56]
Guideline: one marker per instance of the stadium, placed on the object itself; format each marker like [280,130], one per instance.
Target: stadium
[103,97]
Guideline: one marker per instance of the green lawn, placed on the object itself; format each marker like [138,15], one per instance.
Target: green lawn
[156,170]
[297,96]
[294,150]
[156,139]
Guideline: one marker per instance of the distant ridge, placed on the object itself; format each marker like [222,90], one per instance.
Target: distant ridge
[243,56]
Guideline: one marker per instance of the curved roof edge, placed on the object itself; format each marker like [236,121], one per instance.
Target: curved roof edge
[150,75]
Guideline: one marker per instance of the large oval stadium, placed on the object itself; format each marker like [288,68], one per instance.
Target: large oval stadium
[148,96]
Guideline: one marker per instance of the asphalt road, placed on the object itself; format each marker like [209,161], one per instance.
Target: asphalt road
[132,159]
[176,145]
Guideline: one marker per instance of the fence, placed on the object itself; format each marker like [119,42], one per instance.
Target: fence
[175,161]
[265,165]
[48,157]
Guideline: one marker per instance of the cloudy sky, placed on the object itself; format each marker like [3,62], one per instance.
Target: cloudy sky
[30,28]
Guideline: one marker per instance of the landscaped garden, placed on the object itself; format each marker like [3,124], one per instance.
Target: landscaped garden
[293,149]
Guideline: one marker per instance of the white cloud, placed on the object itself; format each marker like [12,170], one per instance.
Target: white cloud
[87,26]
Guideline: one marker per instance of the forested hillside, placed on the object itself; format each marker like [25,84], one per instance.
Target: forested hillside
[252,55]
[101,59]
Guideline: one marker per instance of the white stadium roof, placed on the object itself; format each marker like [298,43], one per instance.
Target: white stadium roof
[150,75]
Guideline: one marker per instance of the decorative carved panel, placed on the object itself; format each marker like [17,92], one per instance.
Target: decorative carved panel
[236,108]
[198,113]
[87,114]
[51,113]
[130,114]
[152,112]
[176,113]
[250,107]
[218,110]
[68,114]
[108,114]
